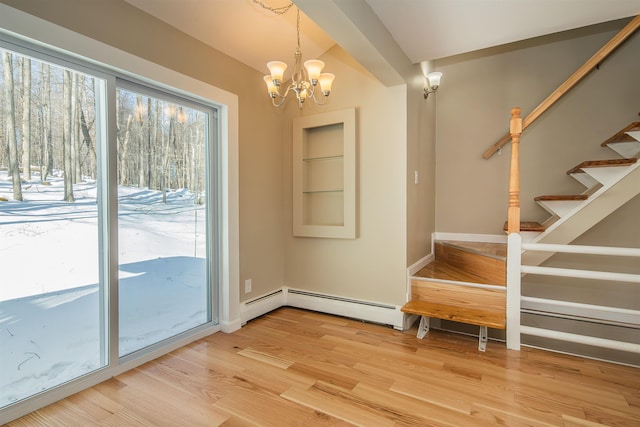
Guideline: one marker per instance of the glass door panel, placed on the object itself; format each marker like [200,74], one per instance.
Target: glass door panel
[52,305]
[162,219]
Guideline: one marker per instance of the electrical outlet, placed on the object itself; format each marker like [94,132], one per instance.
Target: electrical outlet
[416,178]
[247,286]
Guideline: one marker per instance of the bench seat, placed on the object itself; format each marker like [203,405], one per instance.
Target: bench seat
[475,305]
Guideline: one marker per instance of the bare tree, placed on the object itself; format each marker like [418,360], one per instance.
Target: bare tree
[10,122]
[124,151]
[74,131]
[140,121]
[46,147]
[66,138]
[88,142]
[26,118]
[149,155]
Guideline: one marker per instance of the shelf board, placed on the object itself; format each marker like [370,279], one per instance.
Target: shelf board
[321,191]
[310,159]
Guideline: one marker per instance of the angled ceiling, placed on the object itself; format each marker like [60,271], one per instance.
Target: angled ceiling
[433,29]
[423,30]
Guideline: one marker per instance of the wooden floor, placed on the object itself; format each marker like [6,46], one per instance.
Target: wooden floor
[298,368]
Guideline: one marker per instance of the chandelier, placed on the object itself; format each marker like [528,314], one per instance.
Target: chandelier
[304,80]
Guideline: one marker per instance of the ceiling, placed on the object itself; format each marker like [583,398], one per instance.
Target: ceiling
[423,29]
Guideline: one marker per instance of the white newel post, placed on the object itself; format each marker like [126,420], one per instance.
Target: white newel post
[514,249]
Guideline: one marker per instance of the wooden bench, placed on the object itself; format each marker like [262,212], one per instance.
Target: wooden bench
[481,305]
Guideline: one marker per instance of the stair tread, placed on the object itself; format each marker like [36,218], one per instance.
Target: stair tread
[442,270]
[622,136]
[601,163]
[567,197]
[527,226]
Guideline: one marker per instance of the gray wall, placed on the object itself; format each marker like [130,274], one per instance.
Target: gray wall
[474,103]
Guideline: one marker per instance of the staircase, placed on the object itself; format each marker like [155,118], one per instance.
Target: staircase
[466,282]
[609,184]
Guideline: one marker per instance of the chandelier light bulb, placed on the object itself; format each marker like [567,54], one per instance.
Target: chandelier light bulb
[326,81]
[276,68]
[271,88]
[314,68]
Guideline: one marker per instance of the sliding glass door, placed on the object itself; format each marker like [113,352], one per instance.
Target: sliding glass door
[107,188]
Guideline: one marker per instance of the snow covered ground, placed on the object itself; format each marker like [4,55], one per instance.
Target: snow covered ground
[50,301]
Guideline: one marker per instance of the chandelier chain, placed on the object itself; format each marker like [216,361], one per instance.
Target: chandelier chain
[277,10]
[298,27]
[281,11]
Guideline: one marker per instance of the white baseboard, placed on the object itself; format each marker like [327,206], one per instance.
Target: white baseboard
[413,269]
[229,327]
[369,311]
[420,264]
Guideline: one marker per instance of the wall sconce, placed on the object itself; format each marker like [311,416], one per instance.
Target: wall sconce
[433,81]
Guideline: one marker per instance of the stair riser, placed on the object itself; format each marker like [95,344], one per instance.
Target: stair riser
[627,149]
[560,208]
[607,175]
[585,179]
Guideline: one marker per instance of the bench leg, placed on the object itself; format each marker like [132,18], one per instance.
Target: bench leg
[423,328]
[482,338]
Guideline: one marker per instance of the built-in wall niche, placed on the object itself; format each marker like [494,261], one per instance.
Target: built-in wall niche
[324,175]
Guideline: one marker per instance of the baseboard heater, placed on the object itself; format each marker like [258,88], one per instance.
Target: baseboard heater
[336,298]
[331,304]
[264,297]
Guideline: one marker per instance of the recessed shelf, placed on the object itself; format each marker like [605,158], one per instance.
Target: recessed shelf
[324,175]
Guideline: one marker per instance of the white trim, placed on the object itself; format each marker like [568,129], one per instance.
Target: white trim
[577,249]
[581,339]
[411,270]
[420,264]
[514,249]
[582,311]
[463,237]
[581,274]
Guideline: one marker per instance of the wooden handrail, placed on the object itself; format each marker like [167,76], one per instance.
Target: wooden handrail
[580,73]
[513,216]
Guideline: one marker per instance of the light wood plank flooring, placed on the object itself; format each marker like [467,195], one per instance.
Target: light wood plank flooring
[299,368]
